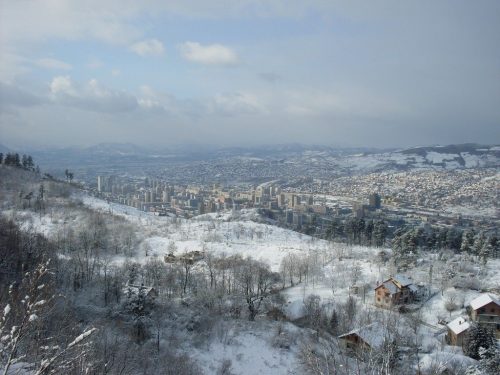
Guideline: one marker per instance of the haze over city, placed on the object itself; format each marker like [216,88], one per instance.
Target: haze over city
[374,74]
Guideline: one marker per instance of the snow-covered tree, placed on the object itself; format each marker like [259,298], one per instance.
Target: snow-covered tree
[478,337]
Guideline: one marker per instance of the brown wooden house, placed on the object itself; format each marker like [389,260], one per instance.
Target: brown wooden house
[485,310]
[397,290]
[369,337]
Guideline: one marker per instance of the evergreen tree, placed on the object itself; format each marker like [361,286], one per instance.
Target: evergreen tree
[379,233]
[490,360]
[1,157]
[29,163]
[478,337]
[479,241]
[494,246]
[17,160]
[431,240]
[334,322]
[453,239]
[24,161]
[486,251]
[441,238]
[368,234]
[467,241]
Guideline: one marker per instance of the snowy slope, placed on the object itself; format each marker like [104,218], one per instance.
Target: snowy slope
[215,233]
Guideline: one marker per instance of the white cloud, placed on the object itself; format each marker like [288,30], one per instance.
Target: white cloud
[50,63]
[239,103]
[151,47]
[91,96]
[62,85]
[212,54]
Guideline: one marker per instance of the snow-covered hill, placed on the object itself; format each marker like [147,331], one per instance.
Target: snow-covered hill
[437,157]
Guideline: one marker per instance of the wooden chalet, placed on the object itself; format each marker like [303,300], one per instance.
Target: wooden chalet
[397,290]
[485,310]
[371,336]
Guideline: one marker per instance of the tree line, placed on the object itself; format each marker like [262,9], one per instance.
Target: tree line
[407,242]
[15,160]
[358,231]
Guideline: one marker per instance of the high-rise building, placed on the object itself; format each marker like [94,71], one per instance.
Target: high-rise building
[100,184]
[310,200]
[375,201]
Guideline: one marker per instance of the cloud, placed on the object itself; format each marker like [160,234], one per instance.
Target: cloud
[151,47]
[212,54]
[91,96]
[11,95]
[49,63]
[238,103]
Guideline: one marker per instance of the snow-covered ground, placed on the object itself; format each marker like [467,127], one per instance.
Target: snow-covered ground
[227,233]
[253,350]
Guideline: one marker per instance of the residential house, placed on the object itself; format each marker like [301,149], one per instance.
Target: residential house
[485,310]
[371,336]
[457,331]
[397,290]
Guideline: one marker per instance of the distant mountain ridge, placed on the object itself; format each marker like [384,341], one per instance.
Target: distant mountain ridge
[347,160]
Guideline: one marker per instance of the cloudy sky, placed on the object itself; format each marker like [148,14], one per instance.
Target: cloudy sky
[240,72]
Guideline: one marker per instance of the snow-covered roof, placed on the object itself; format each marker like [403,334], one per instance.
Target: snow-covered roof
[483,300]
[389,285]
[413,288]
[403,280]
[458,325]
[373,334]
[135,289]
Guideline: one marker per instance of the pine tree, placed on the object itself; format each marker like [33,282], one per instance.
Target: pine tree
[379,233]
[479,241]
[467,242]
[24,161]
[490,360]
[486,251]
[334,322]
[478,337]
